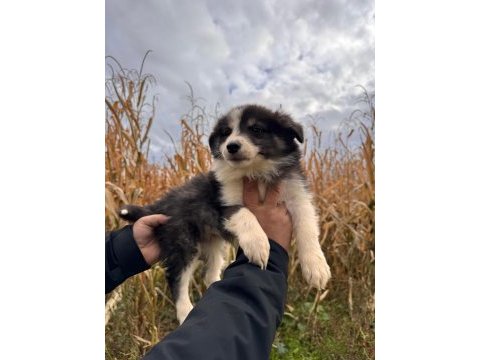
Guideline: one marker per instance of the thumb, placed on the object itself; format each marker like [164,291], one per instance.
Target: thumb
[154,220]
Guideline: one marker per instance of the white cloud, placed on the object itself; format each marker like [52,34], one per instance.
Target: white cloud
[305,55]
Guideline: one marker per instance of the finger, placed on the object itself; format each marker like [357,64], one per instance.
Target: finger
[154,220]
[273,194]
[250,192]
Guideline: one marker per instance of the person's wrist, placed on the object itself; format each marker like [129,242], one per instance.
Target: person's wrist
[284,243]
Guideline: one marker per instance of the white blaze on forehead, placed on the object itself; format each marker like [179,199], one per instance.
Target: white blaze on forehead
[234,117]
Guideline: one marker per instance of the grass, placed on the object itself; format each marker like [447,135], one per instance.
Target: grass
[321,330]
[338,324]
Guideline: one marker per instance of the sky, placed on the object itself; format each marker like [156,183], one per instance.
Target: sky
[306,57]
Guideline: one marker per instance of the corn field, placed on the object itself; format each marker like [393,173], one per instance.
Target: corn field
[335,324]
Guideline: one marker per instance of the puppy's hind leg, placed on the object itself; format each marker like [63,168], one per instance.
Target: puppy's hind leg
[179,280]
[215,254]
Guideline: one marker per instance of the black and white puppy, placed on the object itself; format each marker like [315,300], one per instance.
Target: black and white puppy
[249,141]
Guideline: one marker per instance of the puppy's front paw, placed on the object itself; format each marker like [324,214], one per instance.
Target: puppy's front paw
[315,270]
[255,247]
[251,237]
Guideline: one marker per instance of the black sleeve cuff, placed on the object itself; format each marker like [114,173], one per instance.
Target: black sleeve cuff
[123,258]
[237,317]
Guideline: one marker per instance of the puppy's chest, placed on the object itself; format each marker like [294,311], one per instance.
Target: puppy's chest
[232,192]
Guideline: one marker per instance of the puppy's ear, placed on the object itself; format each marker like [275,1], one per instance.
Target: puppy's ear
[215,133]
[294,128]
[213,143]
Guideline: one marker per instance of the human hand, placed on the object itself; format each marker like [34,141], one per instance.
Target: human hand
[272,216]
[144,235]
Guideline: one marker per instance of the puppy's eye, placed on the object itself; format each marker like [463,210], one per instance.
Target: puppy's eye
[225,131]
[257,129]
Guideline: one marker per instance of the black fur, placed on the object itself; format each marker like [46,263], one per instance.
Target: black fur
[196,214]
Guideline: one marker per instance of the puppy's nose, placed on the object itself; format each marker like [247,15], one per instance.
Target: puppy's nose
[233,147]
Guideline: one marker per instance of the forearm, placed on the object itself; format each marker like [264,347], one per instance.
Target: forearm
[236,318]
[123,258]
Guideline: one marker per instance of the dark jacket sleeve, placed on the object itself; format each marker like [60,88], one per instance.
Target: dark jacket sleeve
[236,318]
[123,258]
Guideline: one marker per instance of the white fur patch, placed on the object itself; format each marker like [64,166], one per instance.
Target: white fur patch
[232,180]
[261,169]
[183,303]
[251,237]
[234,117]
[306,232]
[232,191]
[215,251]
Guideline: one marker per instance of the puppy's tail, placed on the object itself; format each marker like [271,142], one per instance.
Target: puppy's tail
[133,213]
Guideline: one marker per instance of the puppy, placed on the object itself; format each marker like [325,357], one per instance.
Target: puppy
[207,212]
